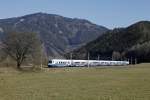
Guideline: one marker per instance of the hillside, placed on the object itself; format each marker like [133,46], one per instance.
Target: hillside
[58,34]
[130,42]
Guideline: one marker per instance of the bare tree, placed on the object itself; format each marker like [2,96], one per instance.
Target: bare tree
[116,55]
[3,55]
[19,45]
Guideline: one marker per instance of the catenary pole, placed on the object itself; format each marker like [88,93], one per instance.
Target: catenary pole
[88,59]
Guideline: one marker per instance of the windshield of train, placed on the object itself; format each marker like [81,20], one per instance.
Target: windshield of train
[50,61]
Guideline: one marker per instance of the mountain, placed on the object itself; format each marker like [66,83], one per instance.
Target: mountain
[130,42]
[57,33]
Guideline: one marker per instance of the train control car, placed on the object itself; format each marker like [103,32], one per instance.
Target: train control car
[82,63]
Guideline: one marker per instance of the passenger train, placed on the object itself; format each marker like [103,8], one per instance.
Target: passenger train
[82,63]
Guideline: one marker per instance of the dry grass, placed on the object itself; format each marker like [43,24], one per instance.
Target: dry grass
[126,83]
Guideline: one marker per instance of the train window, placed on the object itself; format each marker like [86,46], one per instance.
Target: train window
[77,62]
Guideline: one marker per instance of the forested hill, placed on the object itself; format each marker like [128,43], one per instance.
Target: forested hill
[57,33]
[121,43]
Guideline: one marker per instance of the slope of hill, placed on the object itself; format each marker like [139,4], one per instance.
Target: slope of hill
[133,41]
[58,34]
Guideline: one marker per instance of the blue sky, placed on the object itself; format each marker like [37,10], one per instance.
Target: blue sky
[109,13]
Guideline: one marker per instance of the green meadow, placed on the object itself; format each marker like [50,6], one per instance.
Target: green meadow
[115,83]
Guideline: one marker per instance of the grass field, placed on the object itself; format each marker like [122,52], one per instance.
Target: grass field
[126,83]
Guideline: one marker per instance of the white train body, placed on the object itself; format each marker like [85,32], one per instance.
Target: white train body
[74,63]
